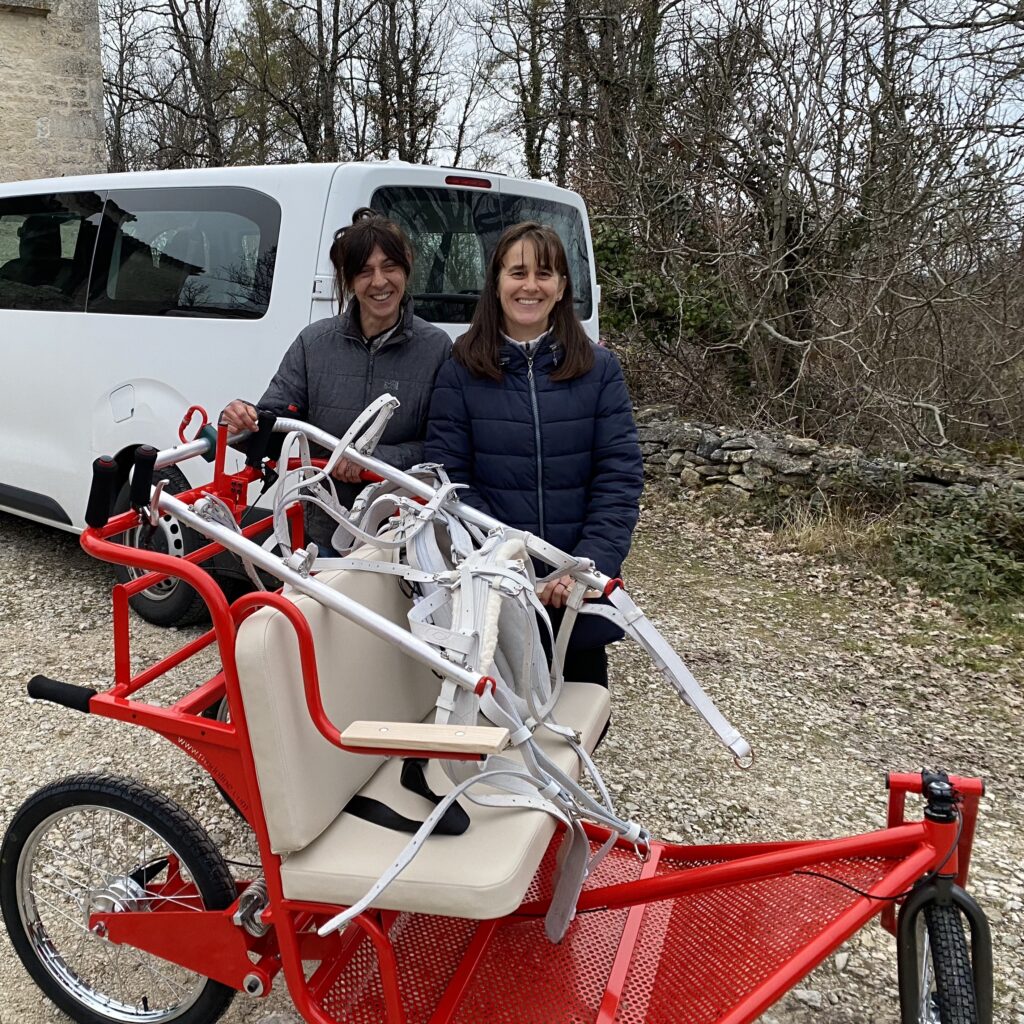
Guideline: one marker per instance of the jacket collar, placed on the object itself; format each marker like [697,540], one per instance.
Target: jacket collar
[350,328]
[547,354]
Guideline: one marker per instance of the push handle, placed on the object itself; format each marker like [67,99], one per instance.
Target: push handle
[102,492]
[259,443]
[68,695]
[142,477]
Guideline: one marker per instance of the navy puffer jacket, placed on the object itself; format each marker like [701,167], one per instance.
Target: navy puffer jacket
[557,458]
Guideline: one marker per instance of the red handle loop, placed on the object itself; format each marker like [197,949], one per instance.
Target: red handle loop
[187,418]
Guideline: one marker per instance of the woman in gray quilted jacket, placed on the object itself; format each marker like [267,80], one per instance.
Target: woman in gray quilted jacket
[375,345]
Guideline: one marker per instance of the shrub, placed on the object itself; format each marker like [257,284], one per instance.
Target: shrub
[969,547]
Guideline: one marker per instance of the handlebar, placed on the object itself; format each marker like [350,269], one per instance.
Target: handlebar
[68,695]
[259,441]
[102,492]
[142,476]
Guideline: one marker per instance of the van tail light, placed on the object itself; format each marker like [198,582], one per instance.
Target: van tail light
[459,179]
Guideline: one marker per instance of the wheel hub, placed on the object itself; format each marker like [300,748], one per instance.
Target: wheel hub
[117,896]
[166,539]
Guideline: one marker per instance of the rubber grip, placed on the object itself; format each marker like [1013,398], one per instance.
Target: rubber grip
[102,492]
[259,443]
[66,694]
[142,477]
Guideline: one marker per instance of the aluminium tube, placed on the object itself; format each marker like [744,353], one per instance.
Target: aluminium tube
[345,606]
[536,546]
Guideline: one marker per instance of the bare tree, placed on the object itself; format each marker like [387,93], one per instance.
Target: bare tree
[130,43]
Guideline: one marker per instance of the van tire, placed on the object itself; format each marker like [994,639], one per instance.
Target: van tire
[172,602]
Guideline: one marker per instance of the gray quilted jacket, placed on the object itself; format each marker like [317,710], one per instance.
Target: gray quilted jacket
[328,376]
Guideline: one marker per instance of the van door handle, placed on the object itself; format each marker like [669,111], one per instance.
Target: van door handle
[323,286]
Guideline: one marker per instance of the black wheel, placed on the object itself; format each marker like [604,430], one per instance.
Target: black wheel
[946,980]
[171,602]
[96,843]
[219,712]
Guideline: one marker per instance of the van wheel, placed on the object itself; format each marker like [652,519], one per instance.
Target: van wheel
[172,602]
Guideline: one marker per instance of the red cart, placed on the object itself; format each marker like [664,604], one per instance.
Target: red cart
[123,910]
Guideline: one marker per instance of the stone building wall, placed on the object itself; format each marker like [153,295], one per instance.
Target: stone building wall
[51,89]
[735,464]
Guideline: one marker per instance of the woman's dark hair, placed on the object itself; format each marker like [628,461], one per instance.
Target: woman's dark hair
[353,245]
[478,348]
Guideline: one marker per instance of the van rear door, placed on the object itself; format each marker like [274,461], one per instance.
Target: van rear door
[566,212]
[453,219]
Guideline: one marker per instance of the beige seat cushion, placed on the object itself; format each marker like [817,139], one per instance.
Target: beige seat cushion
[484,873]
[304,780]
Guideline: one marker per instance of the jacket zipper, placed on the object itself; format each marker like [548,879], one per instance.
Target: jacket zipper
[536,436]
[369,379]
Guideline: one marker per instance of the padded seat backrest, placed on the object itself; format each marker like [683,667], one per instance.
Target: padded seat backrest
[305,781]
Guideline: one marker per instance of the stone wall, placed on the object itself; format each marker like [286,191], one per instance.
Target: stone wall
[735,464]
[51,89]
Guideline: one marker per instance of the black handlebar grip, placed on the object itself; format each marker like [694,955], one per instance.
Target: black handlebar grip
[66,694]
[142,477]
[259,443]
[102,492]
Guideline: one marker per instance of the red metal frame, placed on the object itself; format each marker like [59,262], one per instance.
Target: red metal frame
[208,941]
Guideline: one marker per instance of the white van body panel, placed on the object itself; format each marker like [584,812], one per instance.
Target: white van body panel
[76,384]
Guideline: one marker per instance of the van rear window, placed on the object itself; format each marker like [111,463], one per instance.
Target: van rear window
[46,244]
[200,252]
[453,233]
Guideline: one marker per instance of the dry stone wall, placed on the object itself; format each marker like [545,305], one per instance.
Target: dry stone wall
[51,89]
[735,464]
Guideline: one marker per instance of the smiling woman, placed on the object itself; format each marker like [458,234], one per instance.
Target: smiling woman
[376,345]
[536,420]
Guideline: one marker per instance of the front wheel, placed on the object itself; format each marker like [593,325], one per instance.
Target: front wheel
[91,844]
[946,981]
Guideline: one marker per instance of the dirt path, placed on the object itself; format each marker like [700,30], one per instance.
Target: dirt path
[832,676]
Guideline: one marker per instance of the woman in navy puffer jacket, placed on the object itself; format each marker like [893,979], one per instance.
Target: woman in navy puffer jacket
[537,420]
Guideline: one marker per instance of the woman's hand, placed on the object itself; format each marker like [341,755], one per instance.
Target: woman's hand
[556,592]
[239,416]
[347,472]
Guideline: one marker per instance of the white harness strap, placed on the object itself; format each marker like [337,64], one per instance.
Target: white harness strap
[476,605]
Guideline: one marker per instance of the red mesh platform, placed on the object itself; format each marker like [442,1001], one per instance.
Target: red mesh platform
[696,956]
[428,950]
[700,954]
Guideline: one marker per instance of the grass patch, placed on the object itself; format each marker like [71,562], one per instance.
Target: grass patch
[829,529]
[968,548]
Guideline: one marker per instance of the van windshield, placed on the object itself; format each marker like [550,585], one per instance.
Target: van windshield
[453,233]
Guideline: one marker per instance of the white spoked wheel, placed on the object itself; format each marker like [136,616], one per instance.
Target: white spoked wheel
[94,844]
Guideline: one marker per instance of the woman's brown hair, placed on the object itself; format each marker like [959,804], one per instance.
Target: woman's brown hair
[354,244]
[478,348]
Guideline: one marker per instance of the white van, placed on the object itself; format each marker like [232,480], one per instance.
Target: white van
[126,298]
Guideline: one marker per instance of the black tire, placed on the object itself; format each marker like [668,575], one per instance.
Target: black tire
[172,602]
[218,712]
[94,841]
[947,992]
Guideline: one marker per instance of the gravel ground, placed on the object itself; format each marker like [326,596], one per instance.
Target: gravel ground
[833,676]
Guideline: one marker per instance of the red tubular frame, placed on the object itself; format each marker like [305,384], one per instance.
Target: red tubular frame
[208,941]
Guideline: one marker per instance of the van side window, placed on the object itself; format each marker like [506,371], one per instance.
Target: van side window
[453,232]
[46,244]
[200,252]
